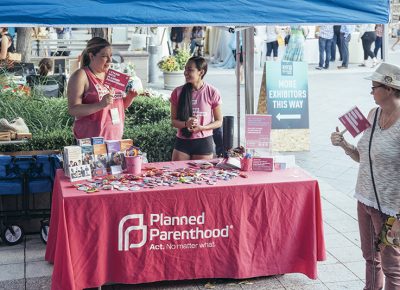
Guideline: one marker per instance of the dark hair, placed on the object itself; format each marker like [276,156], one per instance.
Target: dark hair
[185,110]
[45,66]
[93,46]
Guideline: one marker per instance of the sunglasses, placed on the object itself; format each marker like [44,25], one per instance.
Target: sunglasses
[375,87]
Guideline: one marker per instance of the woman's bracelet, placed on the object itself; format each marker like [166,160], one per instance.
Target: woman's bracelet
[350,150]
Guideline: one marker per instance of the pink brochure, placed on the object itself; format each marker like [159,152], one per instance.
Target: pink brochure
[116,80]
[354,121]
[263,164]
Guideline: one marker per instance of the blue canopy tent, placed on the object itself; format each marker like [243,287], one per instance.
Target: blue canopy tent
[183,12]
[101,13]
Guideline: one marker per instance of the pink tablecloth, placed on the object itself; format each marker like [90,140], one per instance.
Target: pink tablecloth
[269,223]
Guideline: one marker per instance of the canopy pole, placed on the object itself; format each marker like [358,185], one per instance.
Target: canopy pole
[238,64]
[249,69]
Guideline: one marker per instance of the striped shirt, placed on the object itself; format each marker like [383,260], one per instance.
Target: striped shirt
[326,31]
[385,156]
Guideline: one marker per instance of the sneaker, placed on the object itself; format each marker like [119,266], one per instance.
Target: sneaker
[363,64]
[342,67]
[326,67]
[318,68]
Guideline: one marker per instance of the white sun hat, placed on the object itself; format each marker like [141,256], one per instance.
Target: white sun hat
[387,74]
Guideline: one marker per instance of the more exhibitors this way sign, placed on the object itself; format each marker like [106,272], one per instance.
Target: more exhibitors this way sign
[287,94]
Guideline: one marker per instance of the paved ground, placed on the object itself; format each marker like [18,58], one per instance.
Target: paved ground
[331,93]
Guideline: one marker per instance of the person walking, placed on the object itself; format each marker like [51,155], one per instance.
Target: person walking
[368,36]
[345,37]
[336,42]
[397,25]
[295,48]
[272,42]
[377,187]
[378,40]
[325,36]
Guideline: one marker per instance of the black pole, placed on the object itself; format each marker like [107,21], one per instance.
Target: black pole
[228,126]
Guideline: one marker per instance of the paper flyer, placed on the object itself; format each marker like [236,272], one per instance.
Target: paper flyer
[263,164]
[354,121]
[258,131]
[116,80]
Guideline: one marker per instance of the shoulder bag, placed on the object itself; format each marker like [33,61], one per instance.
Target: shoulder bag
[389,220]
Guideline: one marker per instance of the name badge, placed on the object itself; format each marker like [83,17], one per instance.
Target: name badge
[115,119]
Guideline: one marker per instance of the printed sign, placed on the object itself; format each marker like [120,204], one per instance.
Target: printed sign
[287,94]
[116,80]
[263,164]
[165,233]
[354,121]
[258,131]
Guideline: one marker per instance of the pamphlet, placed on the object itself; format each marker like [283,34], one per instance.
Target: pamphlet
[84,141]
[354,121]
[116,80]
[263,164]
[115,156]
[72,158]
[284,161]
[97,140]
[81,172]
[258,131]
[100,159]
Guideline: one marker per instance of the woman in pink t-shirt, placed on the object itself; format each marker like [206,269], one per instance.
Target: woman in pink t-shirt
[195,112]
[98,110]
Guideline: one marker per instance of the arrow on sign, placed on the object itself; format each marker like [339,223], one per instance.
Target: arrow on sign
[288,117]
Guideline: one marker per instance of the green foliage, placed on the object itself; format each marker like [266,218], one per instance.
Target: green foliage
[50,140]
[157,139]
[175,62]
[145,110]
[147,122]
[41,114]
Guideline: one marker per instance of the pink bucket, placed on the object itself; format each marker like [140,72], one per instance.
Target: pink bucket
[246,164]
[133,164]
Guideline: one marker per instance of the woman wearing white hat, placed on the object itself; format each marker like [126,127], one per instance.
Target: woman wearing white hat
[378,183]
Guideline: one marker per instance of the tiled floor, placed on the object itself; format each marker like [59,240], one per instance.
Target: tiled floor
[23,266]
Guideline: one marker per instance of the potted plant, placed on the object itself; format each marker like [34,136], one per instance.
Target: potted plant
[172,67]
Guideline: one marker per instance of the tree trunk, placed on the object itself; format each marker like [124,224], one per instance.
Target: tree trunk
[24,43]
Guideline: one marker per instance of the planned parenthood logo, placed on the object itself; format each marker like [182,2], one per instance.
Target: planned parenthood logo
[193,228]
[123,235]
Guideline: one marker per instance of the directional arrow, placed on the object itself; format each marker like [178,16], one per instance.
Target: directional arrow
[288,117]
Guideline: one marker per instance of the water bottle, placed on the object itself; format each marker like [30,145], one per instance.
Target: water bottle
[144,158]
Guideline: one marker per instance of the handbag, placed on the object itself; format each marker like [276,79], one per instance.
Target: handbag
[17,125]
[383,237]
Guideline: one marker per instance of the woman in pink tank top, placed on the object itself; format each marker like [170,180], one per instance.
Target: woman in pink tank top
[98,109]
